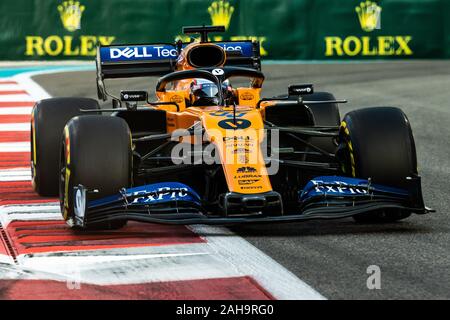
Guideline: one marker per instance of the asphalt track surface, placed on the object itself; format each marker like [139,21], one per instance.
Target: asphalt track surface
[333,256]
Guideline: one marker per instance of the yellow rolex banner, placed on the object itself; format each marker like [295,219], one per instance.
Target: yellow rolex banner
[294,29]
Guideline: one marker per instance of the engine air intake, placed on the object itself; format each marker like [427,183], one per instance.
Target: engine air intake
[204,56]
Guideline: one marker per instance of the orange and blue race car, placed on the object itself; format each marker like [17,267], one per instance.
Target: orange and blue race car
[209,149]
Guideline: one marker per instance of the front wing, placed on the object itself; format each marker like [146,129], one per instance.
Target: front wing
[326,197]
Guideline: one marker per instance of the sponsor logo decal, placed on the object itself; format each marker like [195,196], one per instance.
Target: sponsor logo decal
[340,187]
[246,96]
[230,47]
[218,72]
[244,158]
[70,13]
[137,52]
[247,175]
[143,52]
[245,170]
[221,13]
[227,114]
[297,89]
[369,18]
[163,193]
[177,98]
[240,145]
[251,187]
[240,150]
[133,95]
[369,15]
[234,124]
[76,44]
[237,138]
[247,181]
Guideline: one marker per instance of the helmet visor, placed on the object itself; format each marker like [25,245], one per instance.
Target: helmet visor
[205,90]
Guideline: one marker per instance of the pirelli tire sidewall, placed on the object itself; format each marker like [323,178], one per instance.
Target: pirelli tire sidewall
[377,143]
[96,152]
[380,145]
[48,118]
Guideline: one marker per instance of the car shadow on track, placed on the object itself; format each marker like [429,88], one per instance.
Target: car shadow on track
[333,228]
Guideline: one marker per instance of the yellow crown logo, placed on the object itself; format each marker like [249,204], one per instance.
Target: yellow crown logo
[369,15]
[70,13]
[221,12]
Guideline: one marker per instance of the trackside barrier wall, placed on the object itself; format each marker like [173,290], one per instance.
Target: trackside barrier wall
[288,29]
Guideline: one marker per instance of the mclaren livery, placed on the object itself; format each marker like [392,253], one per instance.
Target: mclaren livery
[209,149]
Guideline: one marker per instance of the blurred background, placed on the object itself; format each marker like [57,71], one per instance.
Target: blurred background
[286,30]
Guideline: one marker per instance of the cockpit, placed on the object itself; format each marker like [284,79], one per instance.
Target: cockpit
[211,87]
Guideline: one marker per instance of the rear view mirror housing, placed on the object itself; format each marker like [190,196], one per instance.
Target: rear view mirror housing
[300,89]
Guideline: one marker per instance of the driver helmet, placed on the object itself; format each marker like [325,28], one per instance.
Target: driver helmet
[205,92]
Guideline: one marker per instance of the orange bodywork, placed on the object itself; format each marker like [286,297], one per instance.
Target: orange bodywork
[236,134]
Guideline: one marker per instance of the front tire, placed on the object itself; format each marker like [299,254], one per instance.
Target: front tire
[377,143]
[96,153]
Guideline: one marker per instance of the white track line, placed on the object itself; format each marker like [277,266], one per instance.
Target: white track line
[26,212]
[118,266]
[15,97]
[10,87]
[276,279]
[23,126]
[15,146]
[15,110]
[133,265]
[5,259]
[17,174]
[74,259]
[33,89]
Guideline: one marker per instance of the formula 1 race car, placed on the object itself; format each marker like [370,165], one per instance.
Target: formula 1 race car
[212,152]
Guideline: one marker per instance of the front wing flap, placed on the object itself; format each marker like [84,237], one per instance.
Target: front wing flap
[326,197]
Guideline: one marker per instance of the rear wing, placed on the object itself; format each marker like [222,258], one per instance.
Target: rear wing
[127,61]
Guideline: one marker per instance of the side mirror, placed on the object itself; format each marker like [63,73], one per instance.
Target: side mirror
[133,96]
[300,89]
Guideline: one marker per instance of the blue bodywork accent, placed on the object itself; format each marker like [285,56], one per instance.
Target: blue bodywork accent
[345,187]
[319,187]
[246,48]
[152,194]
[157,52]
[324,197]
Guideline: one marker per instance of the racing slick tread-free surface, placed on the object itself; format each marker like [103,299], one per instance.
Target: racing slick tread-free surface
[98,157]
[49,118]
[383,145]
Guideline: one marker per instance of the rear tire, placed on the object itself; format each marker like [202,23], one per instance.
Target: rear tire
[377,143]
[48,119]
[96,153]
[326,114]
